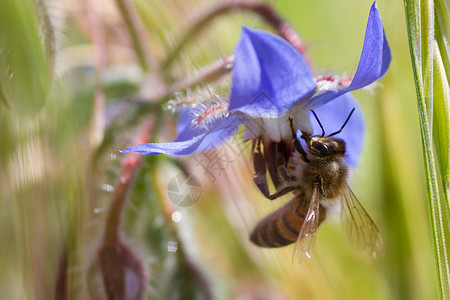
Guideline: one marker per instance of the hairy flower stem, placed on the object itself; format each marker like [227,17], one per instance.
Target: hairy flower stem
[207,74]
[265,10]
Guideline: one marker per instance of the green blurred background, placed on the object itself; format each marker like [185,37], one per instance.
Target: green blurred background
[68,105]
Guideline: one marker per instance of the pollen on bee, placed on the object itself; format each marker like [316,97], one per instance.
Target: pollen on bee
[334,167]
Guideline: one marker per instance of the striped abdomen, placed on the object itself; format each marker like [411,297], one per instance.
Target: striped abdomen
[281,227]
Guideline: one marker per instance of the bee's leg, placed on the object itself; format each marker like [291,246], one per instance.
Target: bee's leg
[283,172]
[260,178]
[276,155]
[297,144]
[299,148]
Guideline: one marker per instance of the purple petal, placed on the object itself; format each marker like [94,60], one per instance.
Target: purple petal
[373,64]
[333,115]
[184,119]
[186,116]
[192,139]
[269,75]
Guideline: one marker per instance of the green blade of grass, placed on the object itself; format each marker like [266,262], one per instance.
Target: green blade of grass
[442,92]
[420,26]
[441,117]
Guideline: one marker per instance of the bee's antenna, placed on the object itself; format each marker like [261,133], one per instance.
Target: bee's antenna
[345,123]
[320,124]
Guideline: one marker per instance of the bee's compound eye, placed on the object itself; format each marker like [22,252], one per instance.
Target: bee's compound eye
[320,148]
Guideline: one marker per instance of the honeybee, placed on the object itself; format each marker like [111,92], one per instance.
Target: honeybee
[319,183]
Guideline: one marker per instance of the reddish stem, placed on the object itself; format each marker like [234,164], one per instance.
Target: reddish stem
[265,10]
[127,172]
[115,258]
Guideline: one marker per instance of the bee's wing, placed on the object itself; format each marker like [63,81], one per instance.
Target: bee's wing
[361,230]
[307,235]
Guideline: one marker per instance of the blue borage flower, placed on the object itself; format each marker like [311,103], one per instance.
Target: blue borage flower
[272,83]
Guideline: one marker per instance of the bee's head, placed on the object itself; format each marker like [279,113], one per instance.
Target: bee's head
[325,146]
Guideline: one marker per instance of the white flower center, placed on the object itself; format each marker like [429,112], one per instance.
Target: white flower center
[278,129]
